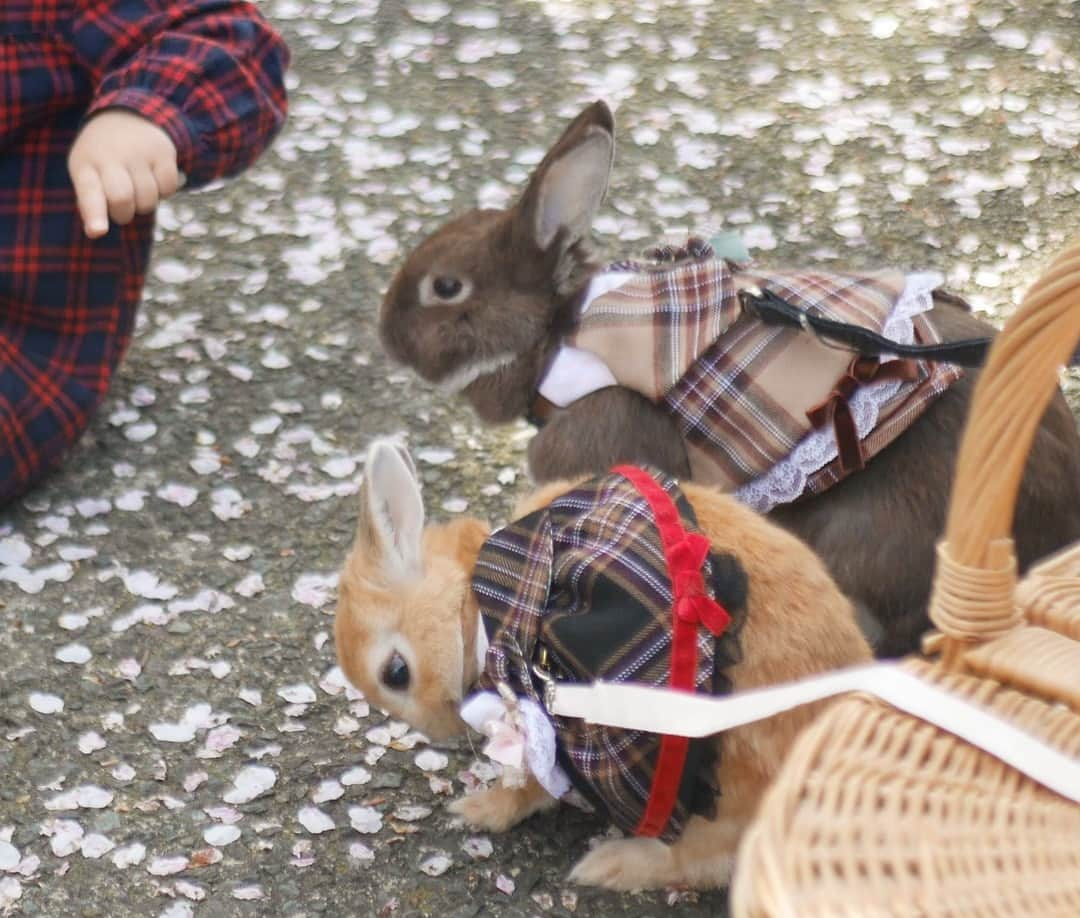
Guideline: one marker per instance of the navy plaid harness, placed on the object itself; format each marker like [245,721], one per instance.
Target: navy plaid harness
[585,586]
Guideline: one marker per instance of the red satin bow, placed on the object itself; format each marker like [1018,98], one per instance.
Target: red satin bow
[691,602]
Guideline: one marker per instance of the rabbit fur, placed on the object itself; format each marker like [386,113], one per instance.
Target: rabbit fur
[480,306]
[405,597]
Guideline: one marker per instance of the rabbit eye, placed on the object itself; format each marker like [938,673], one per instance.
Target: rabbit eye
[443,290]
[395,674]
[447,287]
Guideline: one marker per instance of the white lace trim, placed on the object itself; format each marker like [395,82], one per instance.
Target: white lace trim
[786,480]
[481,644]
[530,732]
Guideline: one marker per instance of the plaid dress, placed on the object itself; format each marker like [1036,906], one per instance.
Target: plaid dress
[743,393]
[613,580]
[210,74]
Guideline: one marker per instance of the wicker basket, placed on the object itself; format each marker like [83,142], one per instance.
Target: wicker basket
[879,813]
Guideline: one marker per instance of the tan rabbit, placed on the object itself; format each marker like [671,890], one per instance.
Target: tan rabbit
[483,306]
[409,622]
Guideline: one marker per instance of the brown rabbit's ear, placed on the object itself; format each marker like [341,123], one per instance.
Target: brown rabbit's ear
[568,186]
[391,524]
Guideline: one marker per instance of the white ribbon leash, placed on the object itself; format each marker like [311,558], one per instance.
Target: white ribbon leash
[658,710]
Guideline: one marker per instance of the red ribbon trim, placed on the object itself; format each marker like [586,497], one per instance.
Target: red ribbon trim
[685,553]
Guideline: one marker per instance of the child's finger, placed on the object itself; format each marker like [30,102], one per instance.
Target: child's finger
[167,177]
[119,192]
[146,190]
[90,197]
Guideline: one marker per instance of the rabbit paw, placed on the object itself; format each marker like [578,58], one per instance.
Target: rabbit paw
[626,864]
[498,808]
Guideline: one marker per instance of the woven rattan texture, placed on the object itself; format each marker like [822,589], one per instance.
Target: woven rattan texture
[1050,594]
[879,813]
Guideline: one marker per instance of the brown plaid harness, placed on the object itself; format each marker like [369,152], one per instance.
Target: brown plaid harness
[613,580]
[745,393]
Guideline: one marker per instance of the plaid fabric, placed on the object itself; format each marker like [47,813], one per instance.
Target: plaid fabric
[209,73]
[741,390]
[586,580]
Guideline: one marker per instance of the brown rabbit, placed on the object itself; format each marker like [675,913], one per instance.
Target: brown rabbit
[482,306]
[408,627]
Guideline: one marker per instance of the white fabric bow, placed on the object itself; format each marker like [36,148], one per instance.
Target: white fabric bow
[521,738]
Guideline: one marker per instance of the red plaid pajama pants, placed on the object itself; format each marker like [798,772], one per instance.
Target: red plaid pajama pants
[56,365]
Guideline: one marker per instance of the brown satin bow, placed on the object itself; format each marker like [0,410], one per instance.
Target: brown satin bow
[836,411]
[692,604]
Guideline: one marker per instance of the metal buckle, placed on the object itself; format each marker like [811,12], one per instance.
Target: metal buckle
[538,668]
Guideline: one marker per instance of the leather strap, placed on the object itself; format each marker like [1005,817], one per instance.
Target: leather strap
[773,309]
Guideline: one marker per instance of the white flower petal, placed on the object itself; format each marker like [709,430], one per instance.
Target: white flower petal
[315,820]
[9,856]
[173,733]
[221,835]
[436,865]
[14,551]
[298,694]
[361,852]
[90,742]
[92,797]
[327,790]
[478,846]
[412,813]
[251,782]
[129,855]
[73,653]
[194,780]
[431,760]
[166,866]
[67,836]
[10,892]
[356,775]
[365,819]
[45,703]
[96,845]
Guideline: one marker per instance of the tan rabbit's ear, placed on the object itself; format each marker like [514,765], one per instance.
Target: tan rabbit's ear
[406,457]
[391,522]
[568,186]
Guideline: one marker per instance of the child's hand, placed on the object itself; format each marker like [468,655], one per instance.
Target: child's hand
[121,164]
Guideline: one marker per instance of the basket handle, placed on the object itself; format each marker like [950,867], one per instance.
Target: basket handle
[975,579]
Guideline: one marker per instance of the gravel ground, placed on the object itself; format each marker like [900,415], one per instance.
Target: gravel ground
[175,738]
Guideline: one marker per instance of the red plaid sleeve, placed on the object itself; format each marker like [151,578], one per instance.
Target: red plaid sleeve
[210,73]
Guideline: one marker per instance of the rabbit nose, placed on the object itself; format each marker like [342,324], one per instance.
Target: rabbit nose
[395,674]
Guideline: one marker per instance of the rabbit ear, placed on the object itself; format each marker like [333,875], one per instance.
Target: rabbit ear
[406,457]
[568,186]
[391,511]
